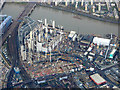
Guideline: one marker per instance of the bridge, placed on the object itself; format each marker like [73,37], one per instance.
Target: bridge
[1,4]
[13,44]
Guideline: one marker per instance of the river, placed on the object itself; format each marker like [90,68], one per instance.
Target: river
[84,25]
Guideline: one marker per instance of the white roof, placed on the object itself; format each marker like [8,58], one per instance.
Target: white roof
[91,69]
[101,41]
[89,49]
[90,57]
[113,51]
[74,37]
[3,15]
[85,53]
[97,79]
[65,77]
[71,34]
[41,81]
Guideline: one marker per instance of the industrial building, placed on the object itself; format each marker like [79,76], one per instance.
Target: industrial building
[36,37]
[101,41]
[72,35]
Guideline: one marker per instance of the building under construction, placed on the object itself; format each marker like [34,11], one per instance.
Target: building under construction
[35,37]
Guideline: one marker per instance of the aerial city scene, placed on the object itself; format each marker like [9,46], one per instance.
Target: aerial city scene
[60,44]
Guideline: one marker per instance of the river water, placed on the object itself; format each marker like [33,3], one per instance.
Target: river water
[84,25]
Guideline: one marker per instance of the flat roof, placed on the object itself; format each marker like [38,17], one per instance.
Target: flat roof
[72,33]
[101,41]
[97,79]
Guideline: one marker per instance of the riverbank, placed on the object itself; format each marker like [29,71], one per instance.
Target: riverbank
[85,25]
[77,12]
[74,11]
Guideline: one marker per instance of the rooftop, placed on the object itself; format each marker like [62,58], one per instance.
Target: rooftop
[97,79]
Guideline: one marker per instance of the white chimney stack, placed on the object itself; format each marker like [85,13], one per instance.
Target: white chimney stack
[91,2]
[76,5]
[45,22]
[46,30]
[82,2]
[72,1]
[66,3]
[53,24]
[86,7]
[93,9]
[39,38]
[99,7]
[56,3]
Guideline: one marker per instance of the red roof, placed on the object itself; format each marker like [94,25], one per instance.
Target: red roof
[97,79]
[98,83]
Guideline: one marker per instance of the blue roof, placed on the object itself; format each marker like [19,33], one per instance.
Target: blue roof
[4,22]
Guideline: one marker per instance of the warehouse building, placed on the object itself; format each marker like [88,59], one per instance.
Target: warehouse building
[97,79]
[72,35]
[101,41]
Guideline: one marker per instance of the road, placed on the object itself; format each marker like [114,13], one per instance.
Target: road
[13,46]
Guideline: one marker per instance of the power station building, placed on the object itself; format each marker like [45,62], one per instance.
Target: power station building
[38,37]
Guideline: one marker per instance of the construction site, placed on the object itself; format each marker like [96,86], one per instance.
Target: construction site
[46,49]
